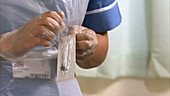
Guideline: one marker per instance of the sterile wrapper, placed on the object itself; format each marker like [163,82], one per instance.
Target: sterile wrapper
[66,58]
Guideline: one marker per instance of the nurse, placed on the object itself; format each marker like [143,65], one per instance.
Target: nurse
[26,24]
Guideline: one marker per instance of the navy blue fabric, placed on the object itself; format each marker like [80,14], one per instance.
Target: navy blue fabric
[103,21]
[96,4]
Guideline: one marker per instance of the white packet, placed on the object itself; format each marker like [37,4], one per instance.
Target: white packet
[66,58]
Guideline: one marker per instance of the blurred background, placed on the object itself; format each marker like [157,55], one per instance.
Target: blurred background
[138,60]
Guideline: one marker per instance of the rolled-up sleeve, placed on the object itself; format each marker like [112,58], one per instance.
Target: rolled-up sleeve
[102,15]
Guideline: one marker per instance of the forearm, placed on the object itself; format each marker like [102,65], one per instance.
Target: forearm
[5,41]
[1,58]
[99,54]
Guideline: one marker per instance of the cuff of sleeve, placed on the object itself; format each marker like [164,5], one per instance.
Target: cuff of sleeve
[3,52]
[103,21]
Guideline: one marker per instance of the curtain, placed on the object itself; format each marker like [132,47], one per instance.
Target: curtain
[136,47]
[159,64]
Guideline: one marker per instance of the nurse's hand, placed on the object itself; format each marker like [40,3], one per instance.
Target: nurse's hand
[40,31]
[86,42]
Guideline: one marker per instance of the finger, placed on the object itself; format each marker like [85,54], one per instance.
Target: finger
[44,32]
[54,15]
[80,59]
[75,29]
[43,42]
[82,53]
[48,35]
[87,44]
[51,24]
[58,17]
[82,33]
[83,36]
[61,13]
[83,58]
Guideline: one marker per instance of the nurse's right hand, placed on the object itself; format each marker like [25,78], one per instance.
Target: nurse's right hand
[40,31]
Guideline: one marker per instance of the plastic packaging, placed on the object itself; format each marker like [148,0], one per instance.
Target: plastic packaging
[36,36]
[15,14]
[66,58]
[38,13]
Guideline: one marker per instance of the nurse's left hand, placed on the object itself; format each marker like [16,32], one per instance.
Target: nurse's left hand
[86,42]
